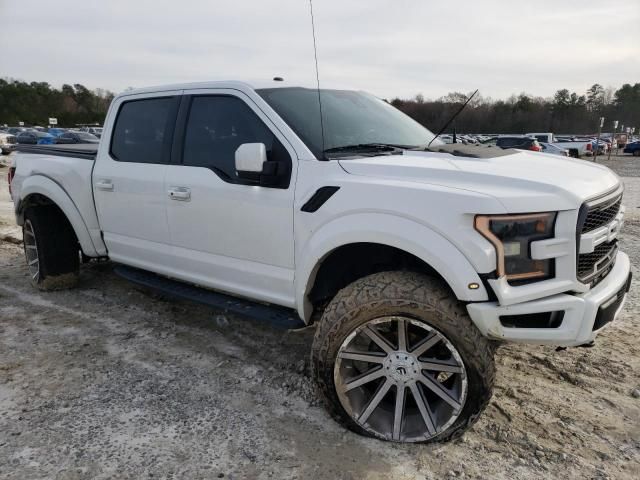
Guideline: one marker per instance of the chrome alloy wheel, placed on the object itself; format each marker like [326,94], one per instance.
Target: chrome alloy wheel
[400,379]
[31,250]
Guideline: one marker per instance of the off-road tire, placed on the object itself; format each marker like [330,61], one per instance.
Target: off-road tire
[57,247]
[418,296]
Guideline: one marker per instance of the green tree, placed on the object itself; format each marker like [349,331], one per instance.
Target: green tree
[595,97]
[33,103]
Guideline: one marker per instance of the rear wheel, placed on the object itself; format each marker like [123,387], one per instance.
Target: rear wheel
[397,358]
[51,248]
[636,153]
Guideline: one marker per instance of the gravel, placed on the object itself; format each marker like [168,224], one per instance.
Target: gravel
[108,381]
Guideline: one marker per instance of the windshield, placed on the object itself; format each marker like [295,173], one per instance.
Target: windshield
[350,118]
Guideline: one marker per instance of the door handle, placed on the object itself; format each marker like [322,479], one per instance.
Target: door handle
[106,185]
[181,194]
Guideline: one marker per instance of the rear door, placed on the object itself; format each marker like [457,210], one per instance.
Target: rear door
[128,181]
[229,234]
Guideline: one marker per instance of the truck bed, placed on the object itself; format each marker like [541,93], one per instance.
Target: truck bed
[83,150]
[63,170]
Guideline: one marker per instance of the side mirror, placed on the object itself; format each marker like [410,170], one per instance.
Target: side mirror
[250,160]
[252,165]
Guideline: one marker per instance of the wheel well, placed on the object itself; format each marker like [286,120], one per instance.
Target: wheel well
[35,200]
[38,200]
[348,263]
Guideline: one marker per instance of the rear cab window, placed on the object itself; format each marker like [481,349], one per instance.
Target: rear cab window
[143,130]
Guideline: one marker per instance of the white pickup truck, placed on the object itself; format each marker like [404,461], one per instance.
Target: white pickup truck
[576,148]
[414,261]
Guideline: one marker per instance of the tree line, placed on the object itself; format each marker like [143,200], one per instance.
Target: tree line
[33,103]
[566,112]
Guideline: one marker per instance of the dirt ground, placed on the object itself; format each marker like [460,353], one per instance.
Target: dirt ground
[107,381]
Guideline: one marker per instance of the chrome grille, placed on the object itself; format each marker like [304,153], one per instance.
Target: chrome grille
[602,214]
[594,266]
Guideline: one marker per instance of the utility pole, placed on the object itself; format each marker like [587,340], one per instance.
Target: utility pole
[628,140]
[595,157]
[613,139]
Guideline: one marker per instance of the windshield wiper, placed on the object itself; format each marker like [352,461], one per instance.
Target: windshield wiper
[381,147]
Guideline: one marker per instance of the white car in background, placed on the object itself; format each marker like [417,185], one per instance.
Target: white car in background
[553,149]
[7,143]
[575,147]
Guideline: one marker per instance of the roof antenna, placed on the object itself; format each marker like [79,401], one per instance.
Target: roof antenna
[315,52]
[453,118]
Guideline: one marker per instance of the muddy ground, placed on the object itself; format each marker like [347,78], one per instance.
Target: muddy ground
[108,381]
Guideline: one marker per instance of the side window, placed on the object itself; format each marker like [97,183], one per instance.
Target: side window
[217,126]
[143,130]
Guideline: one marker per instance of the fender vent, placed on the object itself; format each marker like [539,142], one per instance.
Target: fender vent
[319,198]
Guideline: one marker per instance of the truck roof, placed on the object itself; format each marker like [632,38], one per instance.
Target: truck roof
[233,84]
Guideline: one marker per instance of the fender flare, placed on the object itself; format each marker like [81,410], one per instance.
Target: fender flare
[41,185]
[416,239]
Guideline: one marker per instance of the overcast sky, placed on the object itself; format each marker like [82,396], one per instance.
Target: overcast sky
[390,48]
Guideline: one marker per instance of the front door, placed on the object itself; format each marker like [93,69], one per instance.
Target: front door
[226,233]
[128,181]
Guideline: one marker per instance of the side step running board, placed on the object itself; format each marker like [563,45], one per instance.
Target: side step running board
[275,315]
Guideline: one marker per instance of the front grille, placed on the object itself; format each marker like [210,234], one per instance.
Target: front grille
[12,140]
[601,215]
[594,266]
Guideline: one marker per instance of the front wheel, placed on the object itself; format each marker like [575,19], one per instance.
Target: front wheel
[397,357]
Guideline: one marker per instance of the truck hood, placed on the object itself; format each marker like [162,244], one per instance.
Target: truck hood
[521,181]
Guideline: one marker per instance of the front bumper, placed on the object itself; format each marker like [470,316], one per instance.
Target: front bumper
[580,311]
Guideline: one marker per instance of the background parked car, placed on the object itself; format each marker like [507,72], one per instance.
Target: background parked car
[622,139]
[35,137]
[597,148]
[521,142]
[16,130]
[56,132]
[97,131]
[633,148]
[554,150]
[7,143]
[77,137]
[576,148]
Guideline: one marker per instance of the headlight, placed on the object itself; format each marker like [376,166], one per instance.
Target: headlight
[511,235]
